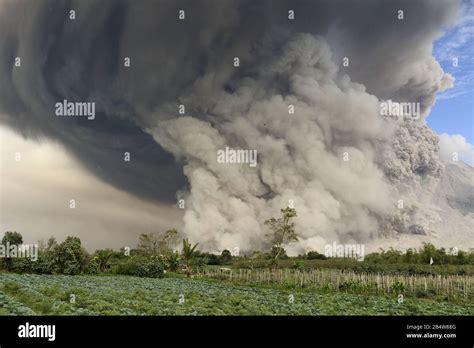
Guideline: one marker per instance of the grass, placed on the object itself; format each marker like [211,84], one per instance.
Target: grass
[126,295]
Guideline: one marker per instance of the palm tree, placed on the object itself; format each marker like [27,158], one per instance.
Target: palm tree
[188,254]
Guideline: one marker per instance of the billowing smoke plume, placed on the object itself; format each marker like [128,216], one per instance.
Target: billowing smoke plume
[300,155]
[335,157]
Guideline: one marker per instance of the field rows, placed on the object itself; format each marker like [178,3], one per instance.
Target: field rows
[338,280]
[123,295]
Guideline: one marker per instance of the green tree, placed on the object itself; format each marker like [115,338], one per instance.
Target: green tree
[51,244]
[154,244]
[173,261]
[148,244]
[170,240]
[226,257]
[10,238]
[278,253]
[428,252]
[282,230]
[69,256]
[314,255]
[102,258]
[188,254]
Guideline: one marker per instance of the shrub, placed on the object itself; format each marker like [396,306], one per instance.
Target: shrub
[398,287]
[226,257]
[172,262]
[278,253]
[299,265]
[351,286]
[141,266]
[70,257]
[43,265]
[93,267]
[314,255]
[10,238]
[153,269]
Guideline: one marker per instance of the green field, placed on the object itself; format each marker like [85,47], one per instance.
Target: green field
[26,294]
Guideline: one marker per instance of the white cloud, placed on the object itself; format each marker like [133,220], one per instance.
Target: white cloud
[457,43]
[456,143]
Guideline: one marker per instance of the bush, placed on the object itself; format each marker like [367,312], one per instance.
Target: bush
[151,269]
[278,252]
[298,265]
[43,265]
[226,257]
[398,287]
[22,265]
[140,266]
[93,267]
[314,255]
[10,238]
[172,262]
[70,257]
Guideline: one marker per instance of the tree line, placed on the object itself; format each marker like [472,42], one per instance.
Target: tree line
[157,253]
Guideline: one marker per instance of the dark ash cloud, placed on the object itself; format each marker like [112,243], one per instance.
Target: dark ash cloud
[190,62]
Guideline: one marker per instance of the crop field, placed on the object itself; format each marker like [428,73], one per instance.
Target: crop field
[450,286]
[26,294]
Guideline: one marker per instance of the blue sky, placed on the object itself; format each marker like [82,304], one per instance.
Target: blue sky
[453,111]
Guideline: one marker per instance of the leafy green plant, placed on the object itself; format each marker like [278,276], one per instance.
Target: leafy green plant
[188,255]
[282,230]
[172,262]
[70,257]
[398,287]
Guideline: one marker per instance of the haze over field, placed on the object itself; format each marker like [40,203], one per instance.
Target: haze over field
[344,165]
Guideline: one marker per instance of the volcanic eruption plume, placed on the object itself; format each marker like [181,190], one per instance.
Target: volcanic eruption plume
[237,68]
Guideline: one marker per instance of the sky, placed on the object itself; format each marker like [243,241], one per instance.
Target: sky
[453,113]
[192,62]
[38,181]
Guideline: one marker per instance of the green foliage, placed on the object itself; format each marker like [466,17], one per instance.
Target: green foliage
[172,262]
[10,238]
[398,287]
[278,253]
[314,255]
[282,230]
[140,266]
[423,256]
[44,263]
[212,259]
[124,295]
[151,269]
[226,257]
[93,266]
[102,259]
[298,265]
[154,244]
[70,257]
[351,286]
[188,254]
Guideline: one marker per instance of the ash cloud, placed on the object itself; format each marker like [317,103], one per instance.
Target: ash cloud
[190,62]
